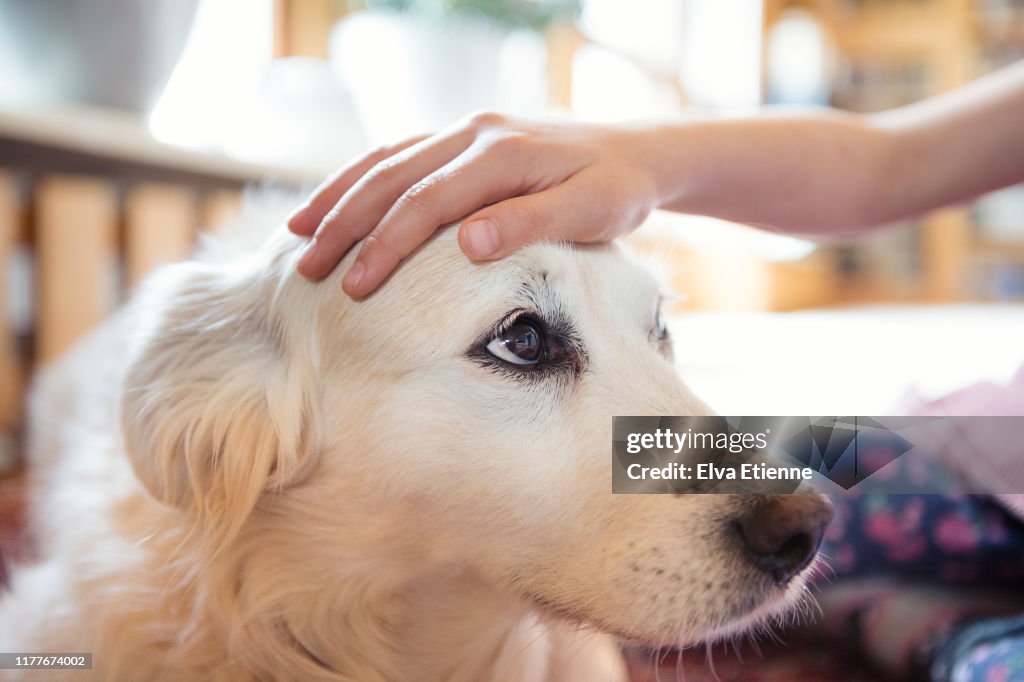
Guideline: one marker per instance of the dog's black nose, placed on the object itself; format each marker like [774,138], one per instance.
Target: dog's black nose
[781,533]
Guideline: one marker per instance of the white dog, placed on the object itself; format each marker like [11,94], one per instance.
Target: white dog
[247,476]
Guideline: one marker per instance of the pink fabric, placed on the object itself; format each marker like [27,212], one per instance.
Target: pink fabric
[989,467]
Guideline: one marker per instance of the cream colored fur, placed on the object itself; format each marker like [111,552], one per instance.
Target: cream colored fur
[247,476]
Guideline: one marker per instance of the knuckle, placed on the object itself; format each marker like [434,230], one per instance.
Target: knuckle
[331,220]
[379,154]
[483,120]
[373,247]
[509,145]
[419,198]
[381,173]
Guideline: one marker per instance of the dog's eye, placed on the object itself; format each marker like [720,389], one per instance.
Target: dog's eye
[523,344]
[660,328]
[520,344]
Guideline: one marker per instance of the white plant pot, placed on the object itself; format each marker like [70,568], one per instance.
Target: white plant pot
[412,73]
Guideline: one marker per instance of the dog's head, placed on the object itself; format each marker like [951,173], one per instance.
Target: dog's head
[459,417]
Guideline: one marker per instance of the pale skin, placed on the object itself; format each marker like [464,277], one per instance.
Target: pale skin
[514,181]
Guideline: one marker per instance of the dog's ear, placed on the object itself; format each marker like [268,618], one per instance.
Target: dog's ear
[216,410]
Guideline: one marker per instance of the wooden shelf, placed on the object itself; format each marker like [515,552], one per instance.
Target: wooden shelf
[999,250]
[91,140]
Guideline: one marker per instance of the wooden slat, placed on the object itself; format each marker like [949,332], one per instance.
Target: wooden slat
[75,240]
[302,27]
[161,223]
[280,37]
[895,30]
[563,42]
[11,376]
[946,242]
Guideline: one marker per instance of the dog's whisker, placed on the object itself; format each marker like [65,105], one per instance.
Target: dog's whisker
[710,660]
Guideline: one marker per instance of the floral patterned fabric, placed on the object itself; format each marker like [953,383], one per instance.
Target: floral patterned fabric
[913,572]
[952,539]
[931,586]
[990,651]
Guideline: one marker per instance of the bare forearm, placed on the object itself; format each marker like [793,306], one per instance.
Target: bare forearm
[956,146]
[807,172]
[513,182]
[826,171]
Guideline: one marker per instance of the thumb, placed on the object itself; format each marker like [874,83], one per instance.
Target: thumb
[562,213]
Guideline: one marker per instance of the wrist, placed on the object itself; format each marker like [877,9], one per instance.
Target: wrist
[664,155]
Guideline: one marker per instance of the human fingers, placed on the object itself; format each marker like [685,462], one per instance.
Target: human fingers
[362,207]
[306,218]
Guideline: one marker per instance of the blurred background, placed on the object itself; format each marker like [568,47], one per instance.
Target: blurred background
[128,127]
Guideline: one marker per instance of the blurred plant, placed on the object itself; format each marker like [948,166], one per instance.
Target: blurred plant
[535,14]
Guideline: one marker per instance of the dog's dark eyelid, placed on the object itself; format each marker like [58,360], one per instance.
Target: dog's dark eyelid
[561,349]
[554,347]
[659,329]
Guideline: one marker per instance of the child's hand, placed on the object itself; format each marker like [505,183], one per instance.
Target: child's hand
[517,181]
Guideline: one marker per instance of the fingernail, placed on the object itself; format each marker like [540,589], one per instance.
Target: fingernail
[354,276]
[482,238]
[307,255]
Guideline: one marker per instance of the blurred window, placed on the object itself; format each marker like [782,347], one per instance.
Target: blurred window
[228,51]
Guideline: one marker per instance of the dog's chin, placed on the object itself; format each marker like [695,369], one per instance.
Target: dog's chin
[774,609]
[781,606]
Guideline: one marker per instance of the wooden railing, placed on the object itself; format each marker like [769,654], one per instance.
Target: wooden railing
[89,203]
[71,249]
